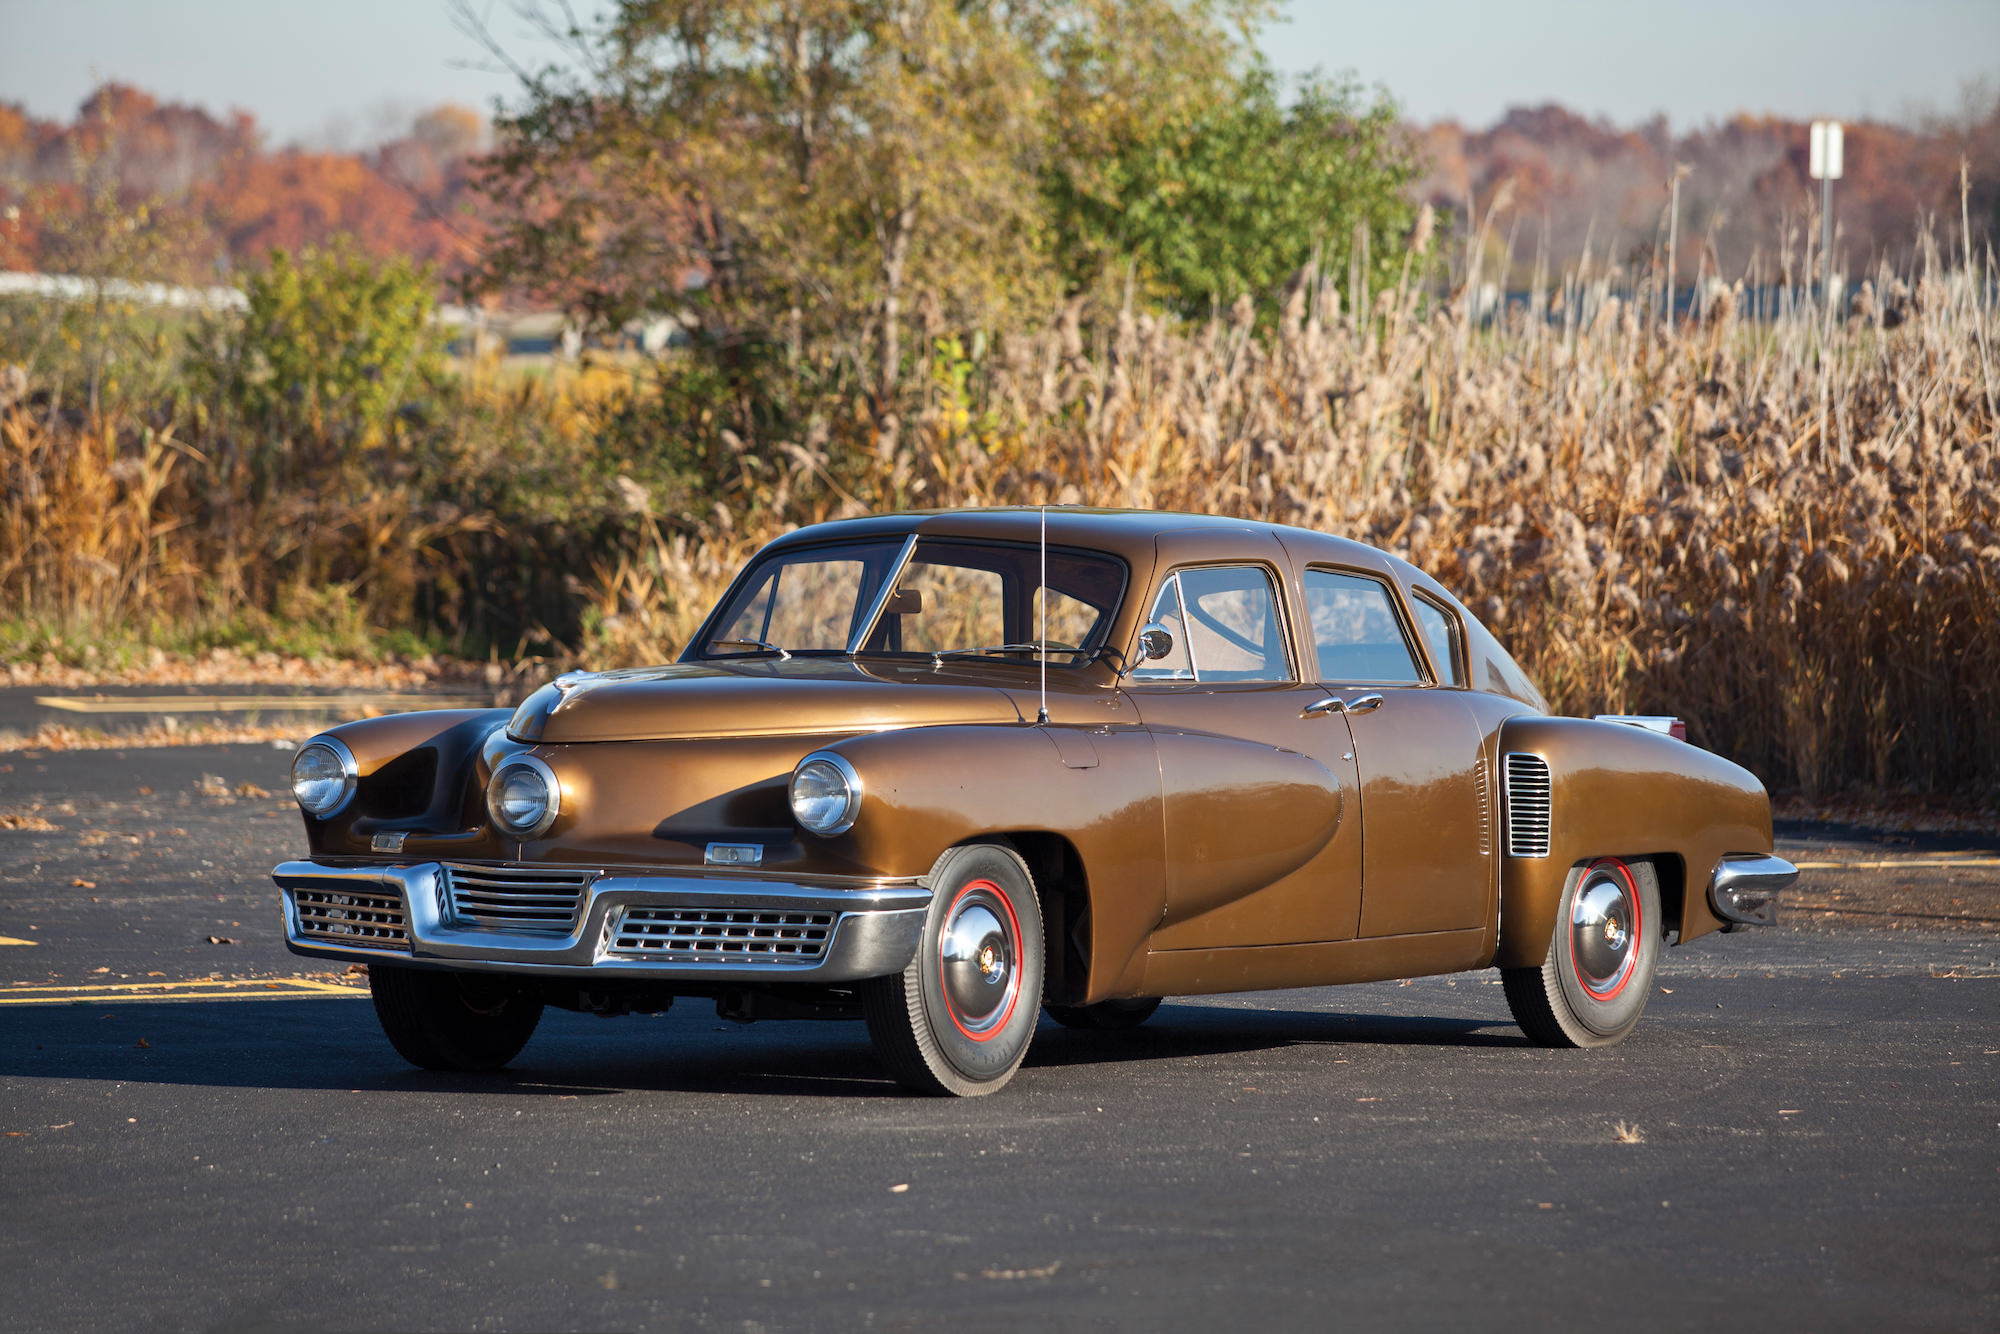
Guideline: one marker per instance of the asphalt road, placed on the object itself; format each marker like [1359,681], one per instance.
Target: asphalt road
[1815,1109]
[120,709]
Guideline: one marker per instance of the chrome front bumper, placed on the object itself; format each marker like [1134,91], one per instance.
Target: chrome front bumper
[1745,889]
[696,928]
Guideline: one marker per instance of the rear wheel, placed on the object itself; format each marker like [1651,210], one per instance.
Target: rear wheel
[959,1018]
[1112,1016]
[1594,984]
[453,1021]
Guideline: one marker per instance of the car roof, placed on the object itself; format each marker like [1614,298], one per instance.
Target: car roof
[1134,534]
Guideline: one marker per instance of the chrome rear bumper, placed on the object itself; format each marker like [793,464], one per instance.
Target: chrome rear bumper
[703,928]
[1744,889]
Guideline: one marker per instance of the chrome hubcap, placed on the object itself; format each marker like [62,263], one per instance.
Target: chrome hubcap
[1604,923]
[980,964]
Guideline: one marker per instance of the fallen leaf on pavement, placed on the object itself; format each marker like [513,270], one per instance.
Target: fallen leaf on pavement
[81,883]
[220,940]
[142,1043]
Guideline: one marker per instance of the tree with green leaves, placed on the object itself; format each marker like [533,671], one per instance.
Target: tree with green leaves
[1236,193]
[805,172]
[803,165]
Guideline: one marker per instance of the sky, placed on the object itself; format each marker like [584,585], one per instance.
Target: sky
[345,74]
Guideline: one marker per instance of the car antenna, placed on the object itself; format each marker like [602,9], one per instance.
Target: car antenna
[1042,628]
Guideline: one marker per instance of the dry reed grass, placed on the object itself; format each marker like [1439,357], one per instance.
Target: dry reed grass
[1786,530]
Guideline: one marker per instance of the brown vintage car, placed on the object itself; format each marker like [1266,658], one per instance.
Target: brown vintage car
[946,771]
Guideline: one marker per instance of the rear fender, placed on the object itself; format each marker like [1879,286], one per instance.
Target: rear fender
[1621,791]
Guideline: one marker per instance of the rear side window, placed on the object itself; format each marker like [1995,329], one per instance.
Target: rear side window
[1441,632]
[1355,630]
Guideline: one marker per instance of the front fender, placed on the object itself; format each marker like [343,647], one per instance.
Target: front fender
[414,773]
[928,789]
[1617,790]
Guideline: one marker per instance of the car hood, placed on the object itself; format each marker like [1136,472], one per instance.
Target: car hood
[700,700]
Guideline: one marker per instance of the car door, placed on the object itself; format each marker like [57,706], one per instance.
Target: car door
[1426,861]
[1261,847]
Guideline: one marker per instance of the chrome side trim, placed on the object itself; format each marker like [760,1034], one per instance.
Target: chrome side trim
[874,930]
[882,596]
[1652,722]
[1745,888]
[1524,782]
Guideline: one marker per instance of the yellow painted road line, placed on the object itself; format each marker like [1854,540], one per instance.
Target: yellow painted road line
[250,703]
[1900,864]
[9,940]
[290,988]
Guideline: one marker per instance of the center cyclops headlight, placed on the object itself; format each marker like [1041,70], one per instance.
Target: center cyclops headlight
[323,777]
[524,797]
[826,793]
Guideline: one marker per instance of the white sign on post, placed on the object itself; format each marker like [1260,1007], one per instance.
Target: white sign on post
[1824,157]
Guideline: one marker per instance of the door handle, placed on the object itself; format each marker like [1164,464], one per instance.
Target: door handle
[1335,704]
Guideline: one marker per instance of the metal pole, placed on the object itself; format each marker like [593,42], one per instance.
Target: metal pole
[1673,234]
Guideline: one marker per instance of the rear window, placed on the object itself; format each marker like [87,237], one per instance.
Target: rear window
[1442,635]
[1355,630]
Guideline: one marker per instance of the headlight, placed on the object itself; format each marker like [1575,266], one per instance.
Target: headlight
[524,797]
[826,793]
[323,775]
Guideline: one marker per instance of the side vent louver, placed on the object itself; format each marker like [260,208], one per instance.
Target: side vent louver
[1485,808]
[1527,788]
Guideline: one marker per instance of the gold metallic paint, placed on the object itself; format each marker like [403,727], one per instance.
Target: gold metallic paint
[1221,842]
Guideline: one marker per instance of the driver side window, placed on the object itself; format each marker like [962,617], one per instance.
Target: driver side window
[1224,620]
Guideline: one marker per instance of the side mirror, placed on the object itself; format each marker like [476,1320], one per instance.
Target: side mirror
[1155,642]
[905,602]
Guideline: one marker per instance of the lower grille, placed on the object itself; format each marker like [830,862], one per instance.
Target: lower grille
[724,935]
[366,919]
[521,899]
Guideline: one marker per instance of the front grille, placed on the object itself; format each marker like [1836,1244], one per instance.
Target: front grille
[1527,786]
[364,919]
[521,899]
[724,935]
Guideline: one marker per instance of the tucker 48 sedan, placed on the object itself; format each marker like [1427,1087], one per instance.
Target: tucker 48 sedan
[948,771]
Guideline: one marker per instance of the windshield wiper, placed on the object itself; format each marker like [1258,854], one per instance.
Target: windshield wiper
[757,645]
[939,655]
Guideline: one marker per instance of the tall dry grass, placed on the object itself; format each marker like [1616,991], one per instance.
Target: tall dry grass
[1785,529]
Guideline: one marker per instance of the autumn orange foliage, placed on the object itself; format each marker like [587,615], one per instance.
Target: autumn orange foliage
[235,198]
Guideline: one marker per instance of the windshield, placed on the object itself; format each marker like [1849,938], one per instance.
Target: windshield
[952,598]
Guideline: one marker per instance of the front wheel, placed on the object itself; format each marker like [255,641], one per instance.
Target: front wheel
[1599,971]
[453,1021]
[959,1018]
